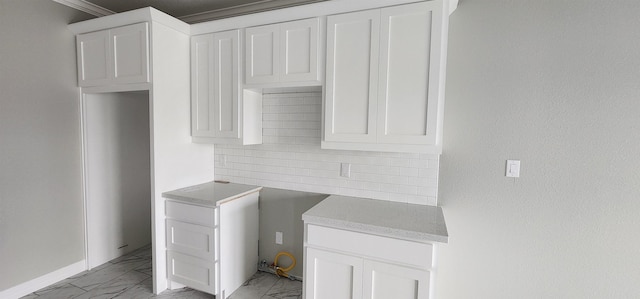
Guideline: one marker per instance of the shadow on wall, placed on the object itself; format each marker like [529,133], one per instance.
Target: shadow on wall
[281,211]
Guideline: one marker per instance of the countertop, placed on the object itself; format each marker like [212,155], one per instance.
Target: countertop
[210,194]
[393,219]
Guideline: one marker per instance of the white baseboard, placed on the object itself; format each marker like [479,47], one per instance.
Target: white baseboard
[48,279]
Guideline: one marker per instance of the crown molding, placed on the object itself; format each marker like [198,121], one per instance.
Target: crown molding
[238,10]
[87,7]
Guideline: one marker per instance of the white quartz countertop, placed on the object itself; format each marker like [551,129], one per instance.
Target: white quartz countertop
[393,219]
[210,194]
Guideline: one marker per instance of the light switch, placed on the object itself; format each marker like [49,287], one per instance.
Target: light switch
[279,238]
[513,168]
[345,170]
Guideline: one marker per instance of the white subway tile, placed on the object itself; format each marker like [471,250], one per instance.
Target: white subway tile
[291,158]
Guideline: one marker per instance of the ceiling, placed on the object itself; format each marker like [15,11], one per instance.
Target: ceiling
[190,11]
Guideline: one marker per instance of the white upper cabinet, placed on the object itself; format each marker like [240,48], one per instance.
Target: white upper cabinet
[281,53]
[384,89]
[114,56]
[262,56]
[352,77]
[220,111]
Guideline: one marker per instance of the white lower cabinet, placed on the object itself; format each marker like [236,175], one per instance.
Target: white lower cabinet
[384,280]
[352,265]
[212,249]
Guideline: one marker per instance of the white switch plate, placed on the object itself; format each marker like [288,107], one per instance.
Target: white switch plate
[345,170]
[513,169]
[279,238]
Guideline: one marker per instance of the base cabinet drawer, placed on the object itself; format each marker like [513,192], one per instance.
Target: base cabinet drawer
[191,213]
[195,240]
[394,250]
[196,273]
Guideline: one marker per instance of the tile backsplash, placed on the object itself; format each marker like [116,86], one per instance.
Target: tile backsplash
[290,158]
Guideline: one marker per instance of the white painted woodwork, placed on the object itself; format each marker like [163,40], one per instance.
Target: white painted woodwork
[93,58]
[280,53]
[332,275]
[239,234]
[130,53]
[392,101]
[262,57]
[319,9]
[197,243]
[117,175]
[195,240]
[352,76]
[190,271]
[408,86]
[220,112]
[341,263]
[202,68]
[191,213]
[215,85]
[226,93]
[114,56]
[175,161]
[299,50]
[383,280]
[382,248]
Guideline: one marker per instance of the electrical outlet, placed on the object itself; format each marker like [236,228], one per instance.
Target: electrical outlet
[345,170]
[279,238]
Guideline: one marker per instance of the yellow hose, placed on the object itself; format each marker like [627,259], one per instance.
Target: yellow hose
[283,271]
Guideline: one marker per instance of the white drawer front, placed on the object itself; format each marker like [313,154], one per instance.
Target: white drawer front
[191,239]
[193,272]
[191,213]
[361,244]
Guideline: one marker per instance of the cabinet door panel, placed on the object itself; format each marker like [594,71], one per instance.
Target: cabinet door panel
[225,84]
[332,275]
[193,272]
[299,50]
[130,53]
[202,63]
[262,55]
[192,239]
[383,281]
[352,77]
[408,90]
[93,58]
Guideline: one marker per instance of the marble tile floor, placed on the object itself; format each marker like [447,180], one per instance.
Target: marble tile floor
[129,276]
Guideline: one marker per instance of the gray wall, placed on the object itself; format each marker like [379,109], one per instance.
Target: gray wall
[555,84]
[41,226]
[281,211]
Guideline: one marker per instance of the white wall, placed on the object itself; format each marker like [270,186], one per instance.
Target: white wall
[41,226]
[290,158]
[556,85]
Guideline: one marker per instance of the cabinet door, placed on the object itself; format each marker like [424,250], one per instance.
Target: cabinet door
[299,50]
[410,49]
[225,85]
[332,275]
[93,58]
[383,280]
[262,57]
[352,77]
[130,46]
[202,65]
